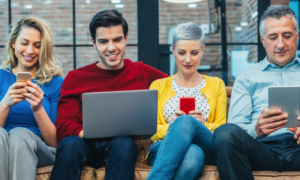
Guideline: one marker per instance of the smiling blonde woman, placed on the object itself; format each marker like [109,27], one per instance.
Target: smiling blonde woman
[28,109]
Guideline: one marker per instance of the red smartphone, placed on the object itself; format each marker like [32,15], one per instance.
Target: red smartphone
[187,104]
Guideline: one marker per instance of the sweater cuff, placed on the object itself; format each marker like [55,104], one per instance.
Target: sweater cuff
[252,132]
[77,131]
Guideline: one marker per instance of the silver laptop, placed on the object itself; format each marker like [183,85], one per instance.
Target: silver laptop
[287,98]
[119,113]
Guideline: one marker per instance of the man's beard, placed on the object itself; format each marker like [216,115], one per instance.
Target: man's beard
[105,62]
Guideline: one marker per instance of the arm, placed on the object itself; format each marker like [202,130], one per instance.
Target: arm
[241,105]
[69,118]
[4,110]
[13,96]
[162,127]
[46,126]
[220,108]
[241,109]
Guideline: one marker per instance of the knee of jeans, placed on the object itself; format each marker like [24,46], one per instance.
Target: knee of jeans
[20,138]
[184,121]
[71,144]
[225,134]
[123,148]
[194,159]
[3,137]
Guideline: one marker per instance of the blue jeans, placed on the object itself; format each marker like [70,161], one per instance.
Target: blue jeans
[119,157]
[183,152]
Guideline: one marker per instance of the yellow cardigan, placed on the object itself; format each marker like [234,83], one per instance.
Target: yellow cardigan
[214,91]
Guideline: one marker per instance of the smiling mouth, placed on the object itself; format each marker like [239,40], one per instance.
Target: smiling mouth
[281,52]
[28,58]
[112,56]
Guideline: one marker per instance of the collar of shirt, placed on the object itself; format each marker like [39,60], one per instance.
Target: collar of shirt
[265,63]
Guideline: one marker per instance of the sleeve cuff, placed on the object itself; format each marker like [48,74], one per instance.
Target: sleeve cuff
[252,132]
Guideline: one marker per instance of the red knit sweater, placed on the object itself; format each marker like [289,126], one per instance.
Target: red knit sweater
[133,76]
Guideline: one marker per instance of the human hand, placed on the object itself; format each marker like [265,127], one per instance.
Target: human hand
[296,130]
[34,96]
[270,120]
[81,134]
[177,114]
[14,94]
[198,115]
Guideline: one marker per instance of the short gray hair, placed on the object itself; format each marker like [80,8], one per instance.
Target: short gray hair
[277,11]
[188,31]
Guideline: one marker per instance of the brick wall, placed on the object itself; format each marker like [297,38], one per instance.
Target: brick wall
[284,2]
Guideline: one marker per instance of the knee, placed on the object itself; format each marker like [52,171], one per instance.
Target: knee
[21,138]
[195,159]
[124,148]
[70,149]
[184,122]
[226,134]
[71,144]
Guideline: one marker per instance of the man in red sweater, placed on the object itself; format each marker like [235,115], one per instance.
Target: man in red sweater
[109,32]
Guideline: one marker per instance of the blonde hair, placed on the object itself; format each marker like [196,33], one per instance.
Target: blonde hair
[48,64]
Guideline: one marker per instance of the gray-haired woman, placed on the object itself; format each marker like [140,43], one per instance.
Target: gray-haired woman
[183,143]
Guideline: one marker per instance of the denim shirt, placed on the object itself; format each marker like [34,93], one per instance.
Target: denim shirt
[250,92]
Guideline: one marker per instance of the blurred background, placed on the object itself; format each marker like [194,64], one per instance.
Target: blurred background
[231,29]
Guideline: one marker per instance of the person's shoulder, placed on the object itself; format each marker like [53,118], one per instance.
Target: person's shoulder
[211,79]
[132,64]
[87,68]
[254,68]
[163,81]
[5,74]
[137,63]
[5,71]
[57,79]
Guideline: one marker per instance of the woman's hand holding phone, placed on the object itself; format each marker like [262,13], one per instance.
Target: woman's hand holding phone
[195,113]
[198,115]
[14,94]
[34,96]
[177,114]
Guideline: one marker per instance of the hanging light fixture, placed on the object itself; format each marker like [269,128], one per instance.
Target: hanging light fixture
[182,1]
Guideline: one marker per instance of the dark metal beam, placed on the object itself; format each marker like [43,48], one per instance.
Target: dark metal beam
[164,58]
[9,15]
[148,32]
[224,40]
[262,5]
[74,34]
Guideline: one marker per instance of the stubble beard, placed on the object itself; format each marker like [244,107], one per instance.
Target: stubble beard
[103,60]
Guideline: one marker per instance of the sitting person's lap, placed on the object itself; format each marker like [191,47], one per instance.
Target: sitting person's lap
[97,153]
[188,129]
[273,153]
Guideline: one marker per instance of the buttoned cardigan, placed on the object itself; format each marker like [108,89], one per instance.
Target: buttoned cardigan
[214,91]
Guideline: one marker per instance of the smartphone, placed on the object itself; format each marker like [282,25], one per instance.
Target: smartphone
[187,104]
[23,76]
